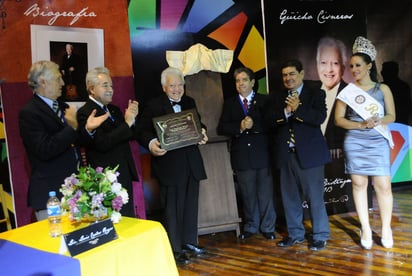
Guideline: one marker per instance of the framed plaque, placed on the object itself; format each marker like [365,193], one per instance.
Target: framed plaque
[177,130]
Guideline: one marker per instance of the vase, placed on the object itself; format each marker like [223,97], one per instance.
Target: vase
[96,215]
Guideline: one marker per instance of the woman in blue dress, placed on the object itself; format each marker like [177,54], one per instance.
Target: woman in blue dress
[367,152]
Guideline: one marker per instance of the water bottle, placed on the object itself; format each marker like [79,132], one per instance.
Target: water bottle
[54,215]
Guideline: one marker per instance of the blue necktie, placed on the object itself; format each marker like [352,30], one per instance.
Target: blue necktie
[110,115]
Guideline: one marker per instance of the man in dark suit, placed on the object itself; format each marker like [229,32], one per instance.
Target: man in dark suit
[242,119]
[73,70]
[110,144]
[301,153]
[50,134]
[178,171]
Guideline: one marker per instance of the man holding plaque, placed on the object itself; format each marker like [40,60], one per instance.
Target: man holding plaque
[242,119]
[178,170]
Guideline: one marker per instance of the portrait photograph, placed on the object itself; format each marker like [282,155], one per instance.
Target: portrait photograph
[75,50]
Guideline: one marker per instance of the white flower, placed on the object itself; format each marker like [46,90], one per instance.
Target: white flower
[115,217]
[111,176]
[116,188]
[125,196]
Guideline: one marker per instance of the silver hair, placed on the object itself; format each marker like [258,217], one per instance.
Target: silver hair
[92,76]
[171,71]
[41,69]
[328,41]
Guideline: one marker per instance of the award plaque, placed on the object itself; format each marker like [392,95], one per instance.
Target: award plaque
[177,130]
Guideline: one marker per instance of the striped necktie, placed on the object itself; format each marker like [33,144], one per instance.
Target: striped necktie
[58,111]
[292,138]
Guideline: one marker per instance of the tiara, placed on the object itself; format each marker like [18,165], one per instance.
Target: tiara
[363,45]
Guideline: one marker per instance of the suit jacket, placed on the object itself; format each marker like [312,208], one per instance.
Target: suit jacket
[249,149]
[51,148]
[76,76]
[167,168]
[311,147]
[110,144]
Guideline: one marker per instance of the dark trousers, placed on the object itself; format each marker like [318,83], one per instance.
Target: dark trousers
[181,212]
[297,185]
[126,180]
[256,191]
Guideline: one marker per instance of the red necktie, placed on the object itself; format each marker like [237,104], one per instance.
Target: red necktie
[245,104]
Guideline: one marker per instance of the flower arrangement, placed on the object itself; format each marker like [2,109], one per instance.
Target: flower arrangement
[94,193]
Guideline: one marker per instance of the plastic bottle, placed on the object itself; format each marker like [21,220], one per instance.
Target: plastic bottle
[54,215]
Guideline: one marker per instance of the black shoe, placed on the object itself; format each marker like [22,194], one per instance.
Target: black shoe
[195,250]
[245,235]
[181,258]
[318,245]
[269,235]
[286,242]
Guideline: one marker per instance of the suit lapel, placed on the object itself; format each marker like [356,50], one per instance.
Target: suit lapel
[304,95]
[43,107]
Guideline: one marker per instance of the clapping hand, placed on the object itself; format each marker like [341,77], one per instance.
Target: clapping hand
[246,123]
[70,116]
[131,112]
[94,122]
[292,102]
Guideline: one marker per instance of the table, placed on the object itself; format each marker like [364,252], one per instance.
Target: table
[142,248]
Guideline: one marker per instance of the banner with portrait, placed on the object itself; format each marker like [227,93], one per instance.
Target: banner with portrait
[295,29]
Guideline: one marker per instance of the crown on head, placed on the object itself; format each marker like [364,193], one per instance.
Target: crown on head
[363,45]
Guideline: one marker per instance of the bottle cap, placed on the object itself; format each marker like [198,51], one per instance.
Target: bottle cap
[52,193]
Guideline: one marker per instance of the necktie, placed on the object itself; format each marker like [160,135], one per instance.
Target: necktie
[245,104]
[58,111]
[107,110]
[176,106]
[292,138]
[291,93]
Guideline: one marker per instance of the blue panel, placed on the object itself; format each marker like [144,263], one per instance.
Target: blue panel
[203,12]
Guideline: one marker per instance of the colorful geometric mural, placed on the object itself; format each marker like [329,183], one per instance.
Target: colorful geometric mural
[401,154]
[234,25]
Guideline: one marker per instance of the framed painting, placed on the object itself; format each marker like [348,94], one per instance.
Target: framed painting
[75,50]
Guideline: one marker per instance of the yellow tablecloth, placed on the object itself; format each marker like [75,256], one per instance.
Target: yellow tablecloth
[142,248]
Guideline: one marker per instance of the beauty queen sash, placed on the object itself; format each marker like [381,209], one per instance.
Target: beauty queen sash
[366,106]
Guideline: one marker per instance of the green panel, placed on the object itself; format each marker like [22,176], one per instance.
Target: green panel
[404,172]
[142,15]
[262,89]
